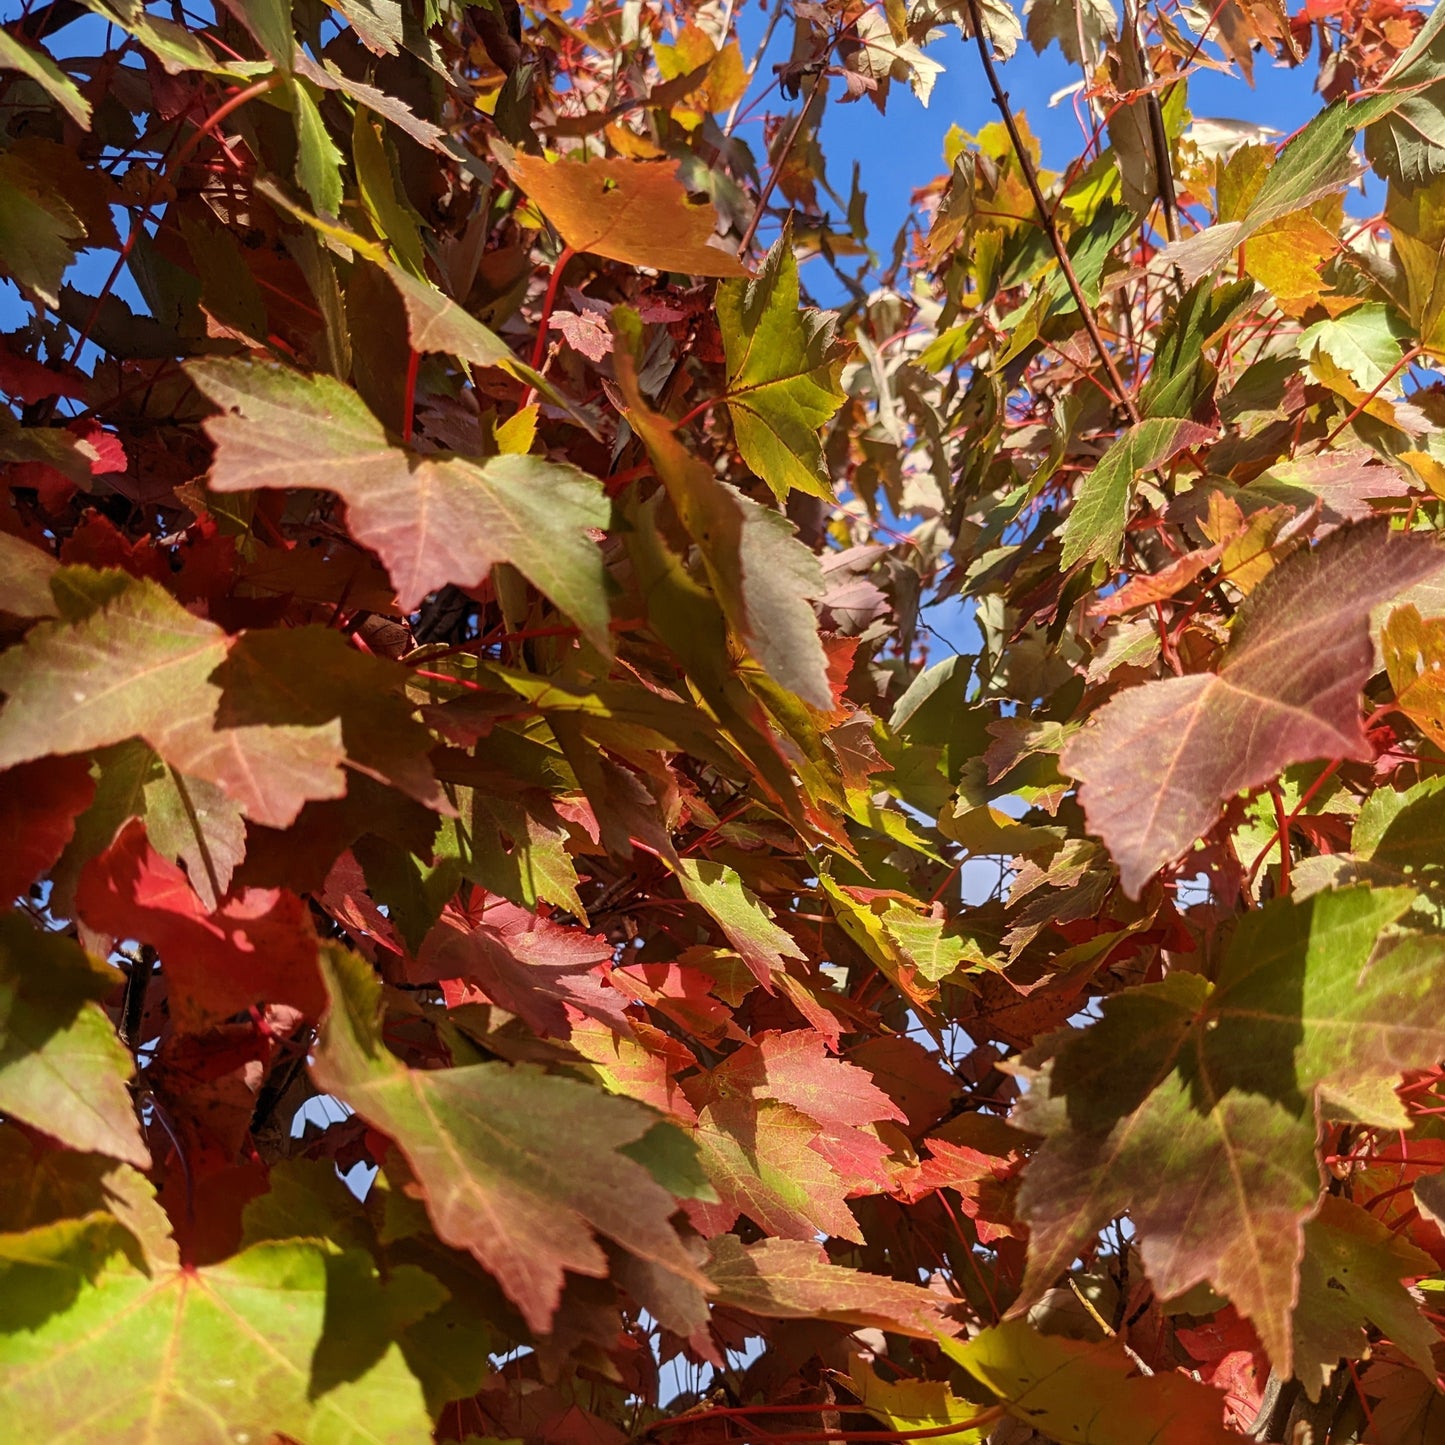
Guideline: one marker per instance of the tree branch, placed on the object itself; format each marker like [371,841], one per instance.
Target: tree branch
[777,169]
[1045,219]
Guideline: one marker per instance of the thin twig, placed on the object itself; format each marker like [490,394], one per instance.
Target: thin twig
[539,347]
[1045,219]
[752,69]
[781,160]
[1282,832]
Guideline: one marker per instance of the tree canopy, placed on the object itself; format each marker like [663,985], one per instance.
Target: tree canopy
[522,928]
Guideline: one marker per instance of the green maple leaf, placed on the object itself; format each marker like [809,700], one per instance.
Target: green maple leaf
[47,75]
[282,1339]
[522,1168]
[193,822]
[126,660]
[1318,161]
[1192,1107]
[1095,527]
[318,160]
[62,1068]
[38,230]
[748,923]
[432,520]
[1088,1393]
[783,367]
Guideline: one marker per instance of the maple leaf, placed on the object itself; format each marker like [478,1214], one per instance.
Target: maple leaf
[761,1160]
[48,75]
[1408,143]
[39,803]
[783,368]
[1095,527]
[881,55]
[1071,23]
[1350,1277]
[747,923]
[1414,650]
[791,1279]
[127,660]
[38,230]
[257,946]
[25,574]
[1077,1391]
[191,821]
[437,323]
[1192,1107]
[62,1068]
[785,1132]
[631,210]
[519,1167]
[913,1405]
[524,963]
[1157,762]
[639,1062]
[432,520]
[309,677]
[245,1349]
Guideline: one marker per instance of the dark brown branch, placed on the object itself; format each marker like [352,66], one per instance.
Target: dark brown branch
[782,157]
[1158,137]
[132,1008]
[1045,219]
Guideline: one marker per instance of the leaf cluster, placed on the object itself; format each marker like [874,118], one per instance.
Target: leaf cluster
[517,933]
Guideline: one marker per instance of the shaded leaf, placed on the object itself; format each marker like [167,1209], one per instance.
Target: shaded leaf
[1070,23]
[62,1068]
[129,661]
[47,75]
[763,576]
[1350,1277]
[1193,1108]
[257,947]
[39,803]
[432,520]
